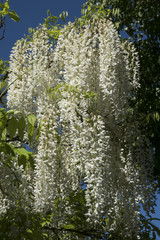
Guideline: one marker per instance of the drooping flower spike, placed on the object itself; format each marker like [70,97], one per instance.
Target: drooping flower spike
[79,91]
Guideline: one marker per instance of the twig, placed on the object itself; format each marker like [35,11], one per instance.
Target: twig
[87,233]
[2,25]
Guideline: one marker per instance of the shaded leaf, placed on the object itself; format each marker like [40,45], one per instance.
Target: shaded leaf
[31,160]
[7,148]
[3,122]
[12,126]
[157,116]
[22,161]
[4,135]
[21,127]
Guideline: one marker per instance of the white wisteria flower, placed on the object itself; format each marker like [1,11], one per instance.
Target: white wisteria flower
[79,92]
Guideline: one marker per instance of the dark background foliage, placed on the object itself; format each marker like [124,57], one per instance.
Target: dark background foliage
[139,22]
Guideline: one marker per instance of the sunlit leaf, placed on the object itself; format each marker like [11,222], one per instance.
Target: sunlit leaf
[68,226]
[31,123]
[14,16]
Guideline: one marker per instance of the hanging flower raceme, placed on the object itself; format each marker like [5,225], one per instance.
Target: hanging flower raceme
[80,93]
[15,185]
[30,71]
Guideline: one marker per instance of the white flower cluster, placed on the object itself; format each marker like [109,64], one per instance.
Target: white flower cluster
[30,73]
[80,94]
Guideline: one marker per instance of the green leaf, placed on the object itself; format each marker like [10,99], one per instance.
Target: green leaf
[157,116]
[3,122]
[7,148]
[5,8]
[14,16]
[24,157]
[17,112]
[21,127]
[31,123]
[140,14]
[4,135]
[54,18]
[48,12]
[89,8]
[117,24]
[22,151]
[31,119]
[3,68]
[43,224]
[11,111]
[22,160]
[31,160]
[2,111]
[45,235]
[107,221]
[68,226]
[6,5]
[12,126]
[63,18]
[2,85]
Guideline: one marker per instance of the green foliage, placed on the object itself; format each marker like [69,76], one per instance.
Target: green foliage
[148,229]
[13,15]
[139,23]
[3,67]
[31,124]
[138,20]
[54,25]
[21,127]
[6,148]
[12,127]
[63,16]
[21,225]
[3,80]
[65,87]
[88,12]
[6,11]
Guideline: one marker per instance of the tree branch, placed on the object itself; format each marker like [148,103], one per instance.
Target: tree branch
[87,233]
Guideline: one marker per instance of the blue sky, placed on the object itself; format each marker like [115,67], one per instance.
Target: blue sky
[32,13]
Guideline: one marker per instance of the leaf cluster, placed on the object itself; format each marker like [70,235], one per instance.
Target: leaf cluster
[138,21]
[5,10]
[13,126]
